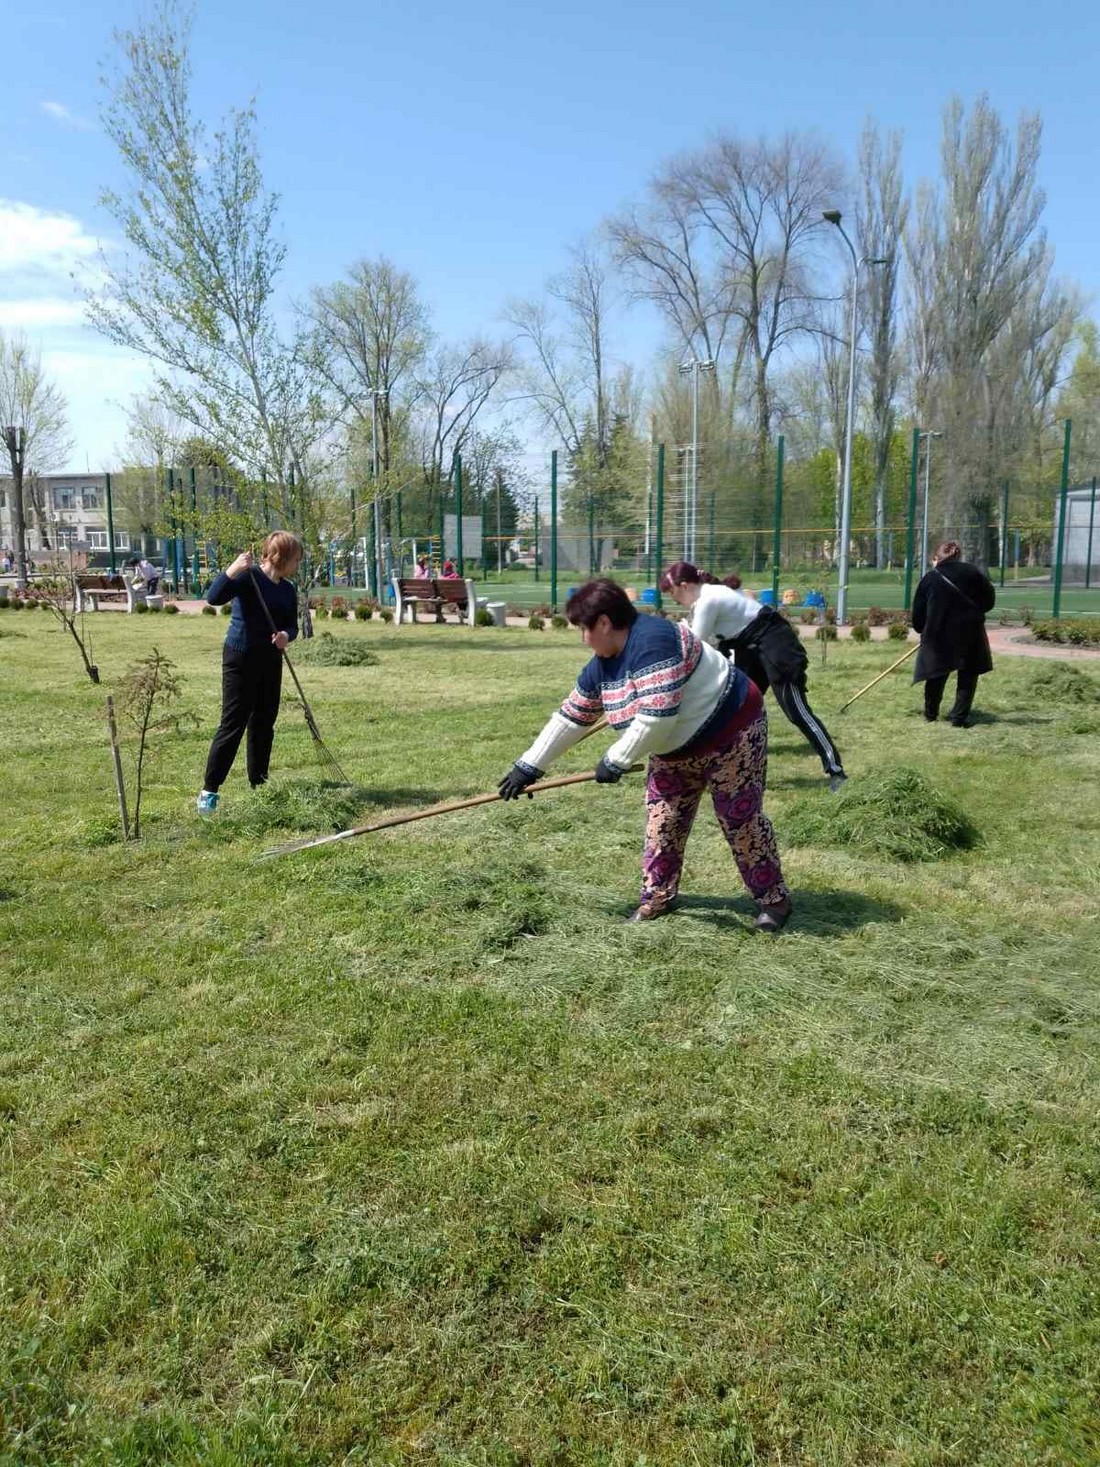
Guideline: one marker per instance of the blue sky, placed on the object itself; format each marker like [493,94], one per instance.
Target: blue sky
[473,144]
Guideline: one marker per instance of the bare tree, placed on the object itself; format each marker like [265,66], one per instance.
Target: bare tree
[34,423]
[455,386]
[370,334]
[882,220]
[728,249]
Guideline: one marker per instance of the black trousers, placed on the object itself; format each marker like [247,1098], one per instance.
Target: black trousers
[966,685]
[782,668]
[251,687]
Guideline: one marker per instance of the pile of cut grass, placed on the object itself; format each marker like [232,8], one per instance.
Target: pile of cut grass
[892,812]
[1058,682]
[329,651]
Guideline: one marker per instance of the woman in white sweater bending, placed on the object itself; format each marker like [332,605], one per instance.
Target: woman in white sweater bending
[699,721]
[762,643]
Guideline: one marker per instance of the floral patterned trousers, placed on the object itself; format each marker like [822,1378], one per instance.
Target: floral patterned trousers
[735,774]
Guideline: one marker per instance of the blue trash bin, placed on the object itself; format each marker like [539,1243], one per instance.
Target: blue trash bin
[766,598]
[649,596]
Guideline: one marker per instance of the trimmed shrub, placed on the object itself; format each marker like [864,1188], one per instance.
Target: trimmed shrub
[210,611]
[171,608]
[807,616]
[861,632]
[362,611]
[536,622]
[876,617]
[1071,631]
[559,623]
[386,614]
[826,632]
[227,609]
[483,617]
[898,631]
[140,608]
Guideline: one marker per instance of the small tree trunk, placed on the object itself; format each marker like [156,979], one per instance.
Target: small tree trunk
[116,760]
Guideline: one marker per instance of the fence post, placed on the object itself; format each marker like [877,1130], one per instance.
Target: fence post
[1057,608]
[911,525]
[658,539]
[777,528]
[1092,520]
[554,530]
[194,535]
[458,512]
[111,524]
[536,537]
[1004,528]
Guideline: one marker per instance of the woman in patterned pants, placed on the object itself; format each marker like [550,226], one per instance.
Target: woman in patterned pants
[700,720]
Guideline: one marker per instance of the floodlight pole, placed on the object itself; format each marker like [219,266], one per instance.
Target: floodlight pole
[927,435]
[691,505]
[834,216]
[376,393]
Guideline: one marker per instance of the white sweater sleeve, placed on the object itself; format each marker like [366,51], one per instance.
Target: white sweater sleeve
[558,735]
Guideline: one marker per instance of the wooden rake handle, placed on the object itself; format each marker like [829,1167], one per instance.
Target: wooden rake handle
[905,656]
[449,808]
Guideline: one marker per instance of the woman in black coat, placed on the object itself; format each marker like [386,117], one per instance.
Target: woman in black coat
[949,613]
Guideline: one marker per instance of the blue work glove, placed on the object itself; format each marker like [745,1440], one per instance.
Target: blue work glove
[607,773]
[515,782]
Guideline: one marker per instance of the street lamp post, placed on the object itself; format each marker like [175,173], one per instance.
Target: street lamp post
[376,393]
[928,435]
[691,505]
[834,216]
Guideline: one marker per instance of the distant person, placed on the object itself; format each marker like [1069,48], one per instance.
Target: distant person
[449,571]
[252,658]
[423,570]
[949,613]
[762,643]
[6,562]
[145,572]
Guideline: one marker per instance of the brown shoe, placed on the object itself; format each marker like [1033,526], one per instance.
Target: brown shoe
[650,911]
[773,918]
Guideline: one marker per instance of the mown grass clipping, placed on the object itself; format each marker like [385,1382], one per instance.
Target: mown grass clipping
[329,651]
[892,812]
[1057,682]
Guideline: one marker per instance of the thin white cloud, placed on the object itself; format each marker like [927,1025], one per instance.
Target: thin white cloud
[43,254]
[38,313]
[39,241]
[67,118]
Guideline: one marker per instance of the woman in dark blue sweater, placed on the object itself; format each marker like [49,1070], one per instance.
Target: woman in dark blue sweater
[252,658]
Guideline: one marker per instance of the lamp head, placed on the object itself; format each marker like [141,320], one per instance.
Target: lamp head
[832,216]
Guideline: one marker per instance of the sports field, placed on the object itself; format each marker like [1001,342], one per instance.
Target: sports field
[409,1150]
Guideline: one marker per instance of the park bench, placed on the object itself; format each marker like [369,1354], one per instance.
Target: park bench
[437,596]
[92,589]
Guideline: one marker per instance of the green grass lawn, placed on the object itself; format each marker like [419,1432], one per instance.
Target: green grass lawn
[409,1150]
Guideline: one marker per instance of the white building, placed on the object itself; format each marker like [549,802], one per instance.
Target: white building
[63,510]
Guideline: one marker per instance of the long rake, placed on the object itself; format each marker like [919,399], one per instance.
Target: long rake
[329,763]
[446,809]
[905,656]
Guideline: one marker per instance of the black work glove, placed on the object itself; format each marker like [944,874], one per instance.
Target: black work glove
[515,782]
[607,773]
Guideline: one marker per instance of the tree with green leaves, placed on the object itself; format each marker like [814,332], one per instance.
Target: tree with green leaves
[195,288]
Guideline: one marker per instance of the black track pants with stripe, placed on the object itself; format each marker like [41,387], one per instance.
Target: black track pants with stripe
[790,694]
